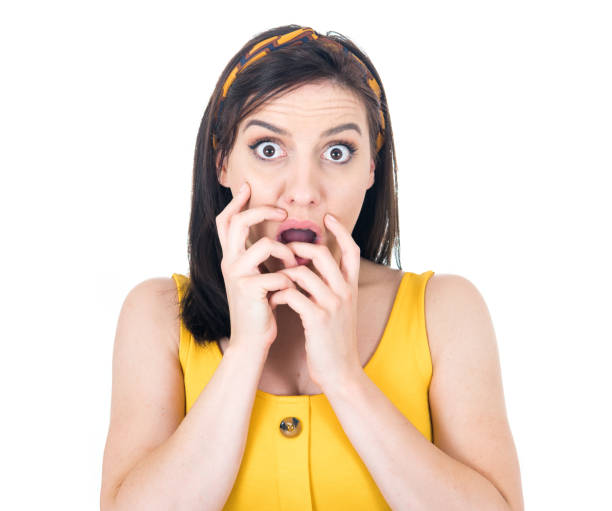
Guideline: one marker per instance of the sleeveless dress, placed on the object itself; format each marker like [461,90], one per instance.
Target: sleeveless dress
[297,456]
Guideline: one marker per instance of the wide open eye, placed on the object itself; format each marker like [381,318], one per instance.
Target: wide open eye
[266,149]
[340,153]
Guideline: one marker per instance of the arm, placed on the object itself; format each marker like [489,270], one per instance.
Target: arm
[156,459]
[473,463]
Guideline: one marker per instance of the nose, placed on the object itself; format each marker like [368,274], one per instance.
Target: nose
[303,185]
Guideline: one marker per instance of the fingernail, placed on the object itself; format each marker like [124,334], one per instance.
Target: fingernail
[243,188]
[332,217]
[281,211]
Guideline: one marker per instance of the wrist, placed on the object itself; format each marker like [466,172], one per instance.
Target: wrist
[246,353]
[346,385]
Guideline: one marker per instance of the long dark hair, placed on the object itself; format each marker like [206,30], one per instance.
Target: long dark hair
[204,308]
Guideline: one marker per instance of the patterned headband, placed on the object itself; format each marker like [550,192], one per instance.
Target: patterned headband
[297,37]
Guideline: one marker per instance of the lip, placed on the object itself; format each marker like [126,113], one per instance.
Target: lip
[294,223]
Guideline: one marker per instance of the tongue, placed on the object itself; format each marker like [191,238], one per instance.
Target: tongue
[298,235]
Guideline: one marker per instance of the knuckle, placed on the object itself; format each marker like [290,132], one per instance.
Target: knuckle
[264,242]
[219,220]
[237,218]
[225,266]
[240,226]
[346,295]
[300,271]
[242,284]
[322,315]
[336,304]
[231,221]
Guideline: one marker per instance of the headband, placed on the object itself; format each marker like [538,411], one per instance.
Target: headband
[299,36]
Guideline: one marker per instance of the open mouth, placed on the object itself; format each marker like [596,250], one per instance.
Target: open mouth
[304,231]
[303,235]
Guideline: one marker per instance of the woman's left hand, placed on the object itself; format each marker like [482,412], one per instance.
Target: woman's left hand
[329,314]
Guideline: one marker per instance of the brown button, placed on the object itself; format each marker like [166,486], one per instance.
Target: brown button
[291,426]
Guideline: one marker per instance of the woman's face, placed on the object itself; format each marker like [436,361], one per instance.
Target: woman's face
[283,151]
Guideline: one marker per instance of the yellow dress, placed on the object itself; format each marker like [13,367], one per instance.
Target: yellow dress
[315,467]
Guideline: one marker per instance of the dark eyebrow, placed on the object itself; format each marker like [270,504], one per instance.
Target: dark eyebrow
[280,131]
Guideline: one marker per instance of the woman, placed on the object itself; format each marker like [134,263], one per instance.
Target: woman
[293,368]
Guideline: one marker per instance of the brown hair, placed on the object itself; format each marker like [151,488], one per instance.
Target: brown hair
[204,308]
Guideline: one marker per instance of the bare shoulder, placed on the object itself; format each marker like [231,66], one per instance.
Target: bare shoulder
[466,395]
[157,298]
[147,399]
[450,298]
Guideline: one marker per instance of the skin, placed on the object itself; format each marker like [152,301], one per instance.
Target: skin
[473,464]
[303,173]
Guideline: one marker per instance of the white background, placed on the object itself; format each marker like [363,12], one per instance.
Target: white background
[502,118]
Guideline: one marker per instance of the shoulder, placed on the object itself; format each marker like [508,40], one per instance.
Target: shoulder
[453,305]
[444,287]
[153,303]
[466,395]
[148,396]
[156,292]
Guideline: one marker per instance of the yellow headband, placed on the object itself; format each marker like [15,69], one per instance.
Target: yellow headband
[297,37]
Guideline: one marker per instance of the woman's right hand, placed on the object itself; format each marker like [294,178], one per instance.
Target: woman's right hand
[253,323]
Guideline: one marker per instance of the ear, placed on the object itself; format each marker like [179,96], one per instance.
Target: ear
[221,171]
[371,176]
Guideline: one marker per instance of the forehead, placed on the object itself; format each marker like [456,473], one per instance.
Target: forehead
[313,102]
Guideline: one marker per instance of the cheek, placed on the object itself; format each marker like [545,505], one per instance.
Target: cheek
[347,204]
[347,210]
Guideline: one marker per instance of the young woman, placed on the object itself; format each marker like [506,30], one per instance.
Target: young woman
[292,368]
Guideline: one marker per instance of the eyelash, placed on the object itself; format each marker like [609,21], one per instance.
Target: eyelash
[349,145]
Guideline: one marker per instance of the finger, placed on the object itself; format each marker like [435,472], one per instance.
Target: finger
[312,283]
[298,302]
[234,206]
[324,262]
[262,249]
[241,222]
[268,282]
[350,251]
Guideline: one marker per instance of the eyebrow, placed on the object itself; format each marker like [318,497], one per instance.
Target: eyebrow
[280,131]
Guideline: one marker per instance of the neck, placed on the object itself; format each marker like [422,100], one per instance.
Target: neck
[289,324]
